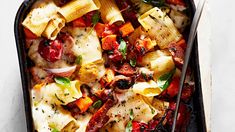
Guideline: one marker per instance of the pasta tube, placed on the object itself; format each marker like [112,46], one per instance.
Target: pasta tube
[72,126]
[144,112]
[147,89]
[53,28]
[110,13]
[36,21]
[47,117]
[159,61]
[55,93]
[78,8]
[159,27]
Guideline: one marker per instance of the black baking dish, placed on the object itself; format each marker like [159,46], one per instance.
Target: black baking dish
[197,123]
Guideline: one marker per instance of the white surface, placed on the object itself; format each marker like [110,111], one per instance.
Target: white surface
[223,65]
[12,117]
[204,44]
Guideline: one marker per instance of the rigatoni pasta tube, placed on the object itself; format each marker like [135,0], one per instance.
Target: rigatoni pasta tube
[78,8]
[148,89]
[110,13]
[54,26]
[38,18]
[159,27]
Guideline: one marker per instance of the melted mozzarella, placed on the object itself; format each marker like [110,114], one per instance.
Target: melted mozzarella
[87,44]
[120,113]
[57,94]
[83,120]
[47,117]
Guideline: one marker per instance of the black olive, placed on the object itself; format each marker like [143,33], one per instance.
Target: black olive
[123,84]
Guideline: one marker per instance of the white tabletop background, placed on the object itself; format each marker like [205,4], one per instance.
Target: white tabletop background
[217,40]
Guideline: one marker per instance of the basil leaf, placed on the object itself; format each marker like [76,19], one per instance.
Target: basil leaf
[129,126]
[62,81]
[55,130]
[78,60]
[95,18]
[165,79]
[97,104]
[133,62]
[122,48]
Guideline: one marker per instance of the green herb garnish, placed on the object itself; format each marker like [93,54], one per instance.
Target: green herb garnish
[110,52]
[131,114]
[78,60]
[133,62]
[59,99]
[62,81]
[66,94]
[129,124]
[95,18]
[123,48]
[144,75]
[55,130]
[165,79]
[157,3]
[152,110]
[97,104]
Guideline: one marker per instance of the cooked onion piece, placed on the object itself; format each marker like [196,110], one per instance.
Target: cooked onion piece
[64,72]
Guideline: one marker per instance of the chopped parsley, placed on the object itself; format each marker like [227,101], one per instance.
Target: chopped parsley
[95,18]
[129,124]
[78,60]
[133,62]
[59,99]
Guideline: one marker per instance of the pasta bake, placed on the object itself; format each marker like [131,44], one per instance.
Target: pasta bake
[107,65]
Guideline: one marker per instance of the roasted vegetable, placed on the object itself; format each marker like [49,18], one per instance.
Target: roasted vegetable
[84,103]
[126,29]
[88,72]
